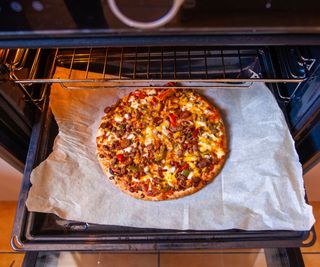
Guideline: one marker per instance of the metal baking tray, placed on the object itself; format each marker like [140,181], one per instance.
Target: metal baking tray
[42,231]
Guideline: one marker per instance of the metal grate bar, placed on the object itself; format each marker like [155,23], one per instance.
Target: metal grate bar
[206,63]
[148,66]
[105,64]
[135,64]
[72,60]
[121,62]
[189,64]
[240,64]
[88,64]
[175,64]
[34,67]
[223,64]
[161,66]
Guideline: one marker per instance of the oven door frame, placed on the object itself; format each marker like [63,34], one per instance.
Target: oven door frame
[41,123]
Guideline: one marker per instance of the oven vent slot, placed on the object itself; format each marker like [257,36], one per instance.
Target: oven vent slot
[128,67]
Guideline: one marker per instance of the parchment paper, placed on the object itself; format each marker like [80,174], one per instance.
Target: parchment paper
[259,188]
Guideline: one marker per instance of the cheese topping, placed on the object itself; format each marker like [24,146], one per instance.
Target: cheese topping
[148,136]
[118,118]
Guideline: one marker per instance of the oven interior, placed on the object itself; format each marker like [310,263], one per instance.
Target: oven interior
[290,72]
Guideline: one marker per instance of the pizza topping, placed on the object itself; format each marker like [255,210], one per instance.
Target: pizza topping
[183,167]
[124,143]
[173,120]
[203,163]
[107,109]
[185,172]
[120,157]
[157,121]
[196,181]
[139,94]
[185,114]
[166,94]
[195,133]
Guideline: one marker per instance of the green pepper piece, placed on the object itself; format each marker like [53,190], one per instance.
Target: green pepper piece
[167,187]
[133,168]
[185,172]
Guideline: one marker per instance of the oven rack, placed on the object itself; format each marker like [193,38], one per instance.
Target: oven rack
[127,67]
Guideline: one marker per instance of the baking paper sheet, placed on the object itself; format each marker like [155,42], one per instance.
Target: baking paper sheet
[259,188]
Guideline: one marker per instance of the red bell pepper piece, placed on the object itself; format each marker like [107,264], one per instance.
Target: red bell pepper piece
[183,167]
[120,157]
[163,95]
[139,94]
[174,163]
[154,101]
[195,133]
[173,120]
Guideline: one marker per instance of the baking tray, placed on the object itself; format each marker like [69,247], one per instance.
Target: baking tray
[42,231]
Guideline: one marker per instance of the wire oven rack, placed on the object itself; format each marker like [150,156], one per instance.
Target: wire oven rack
[122,67]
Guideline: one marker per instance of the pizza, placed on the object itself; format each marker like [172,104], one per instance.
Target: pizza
[161,144]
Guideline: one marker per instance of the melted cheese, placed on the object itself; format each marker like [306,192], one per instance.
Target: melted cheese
[112,137]
[165,131]
[176,134]
[205,136]
[151,92]
[100,132]
[134,103]
[186,105]
[190,158]
[118,118]
[149,136]
[204,146]
[190,176]
[146,177]
[200,124]
[131,136]
[170,178]
[169,175]
[220,153]
[195,170]
[128,149]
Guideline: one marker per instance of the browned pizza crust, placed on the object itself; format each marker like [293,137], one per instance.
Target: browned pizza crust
[161,144]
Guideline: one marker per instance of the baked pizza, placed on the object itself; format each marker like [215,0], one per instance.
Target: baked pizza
[161,144]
